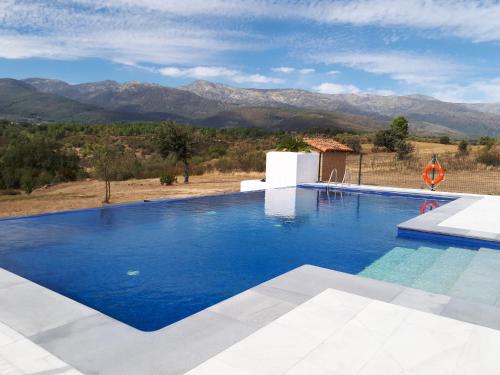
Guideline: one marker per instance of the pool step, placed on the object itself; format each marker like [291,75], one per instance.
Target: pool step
[480,281]
[388,262]
[414,265]
[445,271]
[402,265]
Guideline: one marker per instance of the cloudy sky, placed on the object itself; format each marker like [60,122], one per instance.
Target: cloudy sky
[449,49]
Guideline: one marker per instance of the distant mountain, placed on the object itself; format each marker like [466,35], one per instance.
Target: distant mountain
[485,107]
[424,113]
[133,97]
[291,119]
[216,105]
[21,101]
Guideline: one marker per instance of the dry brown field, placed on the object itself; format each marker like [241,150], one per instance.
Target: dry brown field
[86,194]
[462,174]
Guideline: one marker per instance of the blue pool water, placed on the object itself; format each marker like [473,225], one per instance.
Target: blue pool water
[152,264]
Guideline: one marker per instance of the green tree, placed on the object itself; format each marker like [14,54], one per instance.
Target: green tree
[179,142]
[487,141]
[105,160]
[31,161]
[399,127]
[291,144]
[444,140]
[351,140]
[387,139]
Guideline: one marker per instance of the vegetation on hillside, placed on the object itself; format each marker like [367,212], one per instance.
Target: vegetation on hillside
[33,156]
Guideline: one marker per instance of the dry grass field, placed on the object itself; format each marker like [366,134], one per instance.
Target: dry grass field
[462,174]
[85,194]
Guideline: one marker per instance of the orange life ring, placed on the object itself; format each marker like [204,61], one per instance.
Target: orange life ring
[428,206]
[428,179]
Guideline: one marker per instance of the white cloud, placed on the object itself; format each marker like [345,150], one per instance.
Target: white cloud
[408,68]
[336,88]
[306,71]
[333,72]
[283,69]
[475,91]
[133,33]
[476,20]
[289,70]
[210,72]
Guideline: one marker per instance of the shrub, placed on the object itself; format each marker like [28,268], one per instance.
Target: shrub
[490,155]
[444,140]
[167,179]
[487,141]
[404,149]
[463,149]
[292,144]
[351,140]
[27,182]
[386,139]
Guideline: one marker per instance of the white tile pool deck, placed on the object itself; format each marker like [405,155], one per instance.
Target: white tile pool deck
[18,355]
[481,216]
[308,321]
[343,333]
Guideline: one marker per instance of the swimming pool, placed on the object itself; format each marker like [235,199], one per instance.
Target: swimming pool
[152,264]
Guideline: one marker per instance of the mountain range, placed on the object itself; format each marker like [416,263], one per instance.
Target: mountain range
[217,105]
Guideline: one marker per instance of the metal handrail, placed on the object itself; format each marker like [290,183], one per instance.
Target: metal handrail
[347,172]
[330,179]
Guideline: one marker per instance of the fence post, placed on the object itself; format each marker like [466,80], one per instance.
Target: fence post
[359,168]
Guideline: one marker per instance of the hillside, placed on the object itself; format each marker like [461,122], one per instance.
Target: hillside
[19,100]
[291,119]
[134,97]
[217,105]
[425,113]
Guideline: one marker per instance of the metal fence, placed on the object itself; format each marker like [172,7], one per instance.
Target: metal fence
[463,174]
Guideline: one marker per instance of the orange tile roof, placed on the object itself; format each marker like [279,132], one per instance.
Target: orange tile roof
[326,144]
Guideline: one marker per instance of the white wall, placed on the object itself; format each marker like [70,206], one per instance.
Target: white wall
[252,185]
[284,169]
[291,168]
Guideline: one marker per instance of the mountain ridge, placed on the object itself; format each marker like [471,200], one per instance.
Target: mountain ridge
[218,105]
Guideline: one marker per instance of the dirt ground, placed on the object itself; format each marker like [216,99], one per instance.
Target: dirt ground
[85,194]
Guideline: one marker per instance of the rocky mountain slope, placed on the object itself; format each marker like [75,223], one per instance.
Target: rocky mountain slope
[133,97]
[217,105]
[425,112]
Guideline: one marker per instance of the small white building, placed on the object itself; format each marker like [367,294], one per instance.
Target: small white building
[285,169]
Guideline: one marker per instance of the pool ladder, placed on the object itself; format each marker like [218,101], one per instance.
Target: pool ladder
[347,176]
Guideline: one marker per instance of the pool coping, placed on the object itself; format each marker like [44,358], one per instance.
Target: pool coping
[95,343]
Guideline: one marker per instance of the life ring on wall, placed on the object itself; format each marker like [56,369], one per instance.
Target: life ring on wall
[428,169]
[428,206]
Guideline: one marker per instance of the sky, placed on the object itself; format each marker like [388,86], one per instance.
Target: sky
[448,49]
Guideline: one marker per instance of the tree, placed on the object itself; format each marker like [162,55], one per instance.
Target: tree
[444,140]
[31,161]
[486,141]
[292,144]
[399,127]
[387,139]
[105,159]
[351,140]
[179,142]
[463,148]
